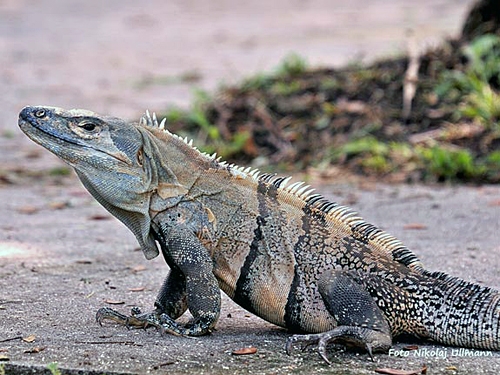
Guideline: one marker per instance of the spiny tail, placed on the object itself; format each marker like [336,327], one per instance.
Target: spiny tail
[461,313]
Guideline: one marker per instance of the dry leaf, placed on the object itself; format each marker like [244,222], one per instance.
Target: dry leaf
[29,338]
[415,226]
[163,364]
[410,347]
[138,289]
[139,268]
[394,371]
[58,205]
[35,154]
[28,210]
[99,217]
[114,302]
[245,351]
[36,349]
[83,261]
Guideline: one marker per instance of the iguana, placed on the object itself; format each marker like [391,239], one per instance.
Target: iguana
[276,248]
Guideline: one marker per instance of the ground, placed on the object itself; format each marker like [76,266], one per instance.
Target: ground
[62,256]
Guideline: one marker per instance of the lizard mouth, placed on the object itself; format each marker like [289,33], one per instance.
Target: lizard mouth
[39,132]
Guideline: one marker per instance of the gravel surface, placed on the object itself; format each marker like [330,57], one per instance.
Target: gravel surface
[62,256]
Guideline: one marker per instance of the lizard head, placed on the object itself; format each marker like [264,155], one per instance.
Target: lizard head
[113,159]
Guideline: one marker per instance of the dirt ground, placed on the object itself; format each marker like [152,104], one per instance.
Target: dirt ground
[62,256]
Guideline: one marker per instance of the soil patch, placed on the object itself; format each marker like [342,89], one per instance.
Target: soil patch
[412,118]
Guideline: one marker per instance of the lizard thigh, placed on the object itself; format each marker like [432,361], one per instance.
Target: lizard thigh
[347,299]
[360,322]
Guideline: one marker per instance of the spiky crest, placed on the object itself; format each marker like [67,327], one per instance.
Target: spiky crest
[342,215]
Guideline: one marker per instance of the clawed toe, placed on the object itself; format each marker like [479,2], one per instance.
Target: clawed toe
[363,338]
[305,340]
[135,320]
[321,339]
[105,313]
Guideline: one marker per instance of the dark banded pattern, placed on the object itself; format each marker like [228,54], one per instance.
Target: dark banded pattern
[244,291]
[293,311]
[278,249]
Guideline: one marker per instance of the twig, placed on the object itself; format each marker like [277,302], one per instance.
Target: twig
[12,339]
[132,343]
[163,364]
[411,76]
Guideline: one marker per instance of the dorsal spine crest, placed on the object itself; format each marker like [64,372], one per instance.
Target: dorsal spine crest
[333,211]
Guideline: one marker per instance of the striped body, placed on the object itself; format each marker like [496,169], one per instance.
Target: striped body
[277,249]
[273,245]
[274,240]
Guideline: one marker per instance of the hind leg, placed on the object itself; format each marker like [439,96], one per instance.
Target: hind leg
[360,321]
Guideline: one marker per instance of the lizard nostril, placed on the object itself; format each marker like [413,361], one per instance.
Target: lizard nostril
[39,113]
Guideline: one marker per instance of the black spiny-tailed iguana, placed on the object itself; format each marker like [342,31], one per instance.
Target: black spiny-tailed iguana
[278,250]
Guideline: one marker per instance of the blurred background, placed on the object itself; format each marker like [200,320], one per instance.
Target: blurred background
[120,57]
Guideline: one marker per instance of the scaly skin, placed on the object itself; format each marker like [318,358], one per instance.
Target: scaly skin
[278,250]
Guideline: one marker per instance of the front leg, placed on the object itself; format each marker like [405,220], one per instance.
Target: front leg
[202,288]
[172,298]
[191,284]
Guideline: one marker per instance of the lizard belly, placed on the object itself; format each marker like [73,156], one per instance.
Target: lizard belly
[258,285]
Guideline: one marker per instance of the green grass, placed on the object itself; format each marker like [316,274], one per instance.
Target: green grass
[474,88]
[60,171]
[53,368]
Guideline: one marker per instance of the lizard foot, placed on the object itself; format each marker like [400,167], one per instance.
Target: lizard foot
[164,323]
[360,337]
[135,320]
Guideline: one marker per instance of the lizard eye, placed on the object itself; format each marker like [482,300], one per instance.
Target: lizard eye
[40,113]
[88,126]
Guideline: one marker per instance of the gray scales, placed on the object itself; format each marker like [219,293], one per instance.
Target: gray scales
[276,248]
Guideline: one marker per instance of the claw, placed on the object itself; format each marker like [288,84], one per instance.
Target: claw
[368,348]
[323,342]
[307,340]
[106,313]
[288,346]
[163,322]
[167,324]
[326,339]
[134,320]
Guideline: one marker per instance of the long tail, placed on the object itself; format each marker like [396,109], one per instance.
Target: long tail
[461,313]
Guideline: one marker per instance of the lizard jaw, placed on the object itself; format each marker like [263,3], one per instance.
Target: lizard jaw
[39,131]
